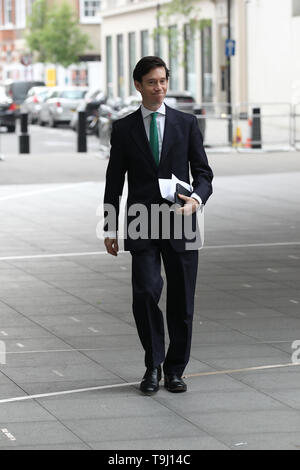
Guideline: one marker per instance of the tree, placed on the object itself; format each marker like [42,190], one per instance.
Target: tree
[36,24]
[173,13]
[55,35]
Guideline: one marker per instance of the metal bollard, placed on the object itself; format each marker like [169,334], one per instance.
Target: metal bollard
[24,143]
[256,129]
[201,121]
[81,132]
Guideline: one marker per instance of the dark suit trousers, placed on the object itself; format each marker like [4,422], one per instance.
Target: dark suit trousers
[147,283]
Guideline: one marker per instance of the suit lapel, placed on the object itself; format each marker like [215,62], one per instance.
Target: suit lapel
[140,137]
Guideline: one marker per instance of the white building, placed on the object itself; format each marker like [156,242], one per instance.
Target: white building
[265,68]
[273,50]
[128,33]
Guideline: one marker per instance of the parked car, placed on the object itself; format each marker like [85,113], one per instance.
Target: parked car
[90,104]
[112,110]
[184,101]
[33,101]
[181,100]
[7,111]
[17,91]
[60,104]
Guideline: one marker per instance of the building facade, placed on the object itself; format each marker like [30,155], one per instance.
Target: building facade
[196,59]
[16,61]
[273,50]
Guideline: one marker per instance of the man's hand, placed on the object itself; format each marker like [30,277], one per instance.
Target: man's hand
[112,246]
[190,205]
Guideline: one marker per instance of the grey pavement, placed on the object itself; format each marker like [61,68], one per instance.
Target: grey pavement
[66,321]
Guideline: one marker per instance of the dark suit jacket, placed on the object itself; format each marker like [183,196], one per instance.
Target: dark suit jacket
[182,153]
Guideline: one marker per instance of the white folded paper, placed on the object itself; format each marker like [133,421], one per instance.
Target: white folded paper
[168,187]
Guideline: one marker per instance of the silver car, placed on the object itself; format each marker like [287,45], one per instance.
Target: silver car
[33,102]
[181,100]
[60,104]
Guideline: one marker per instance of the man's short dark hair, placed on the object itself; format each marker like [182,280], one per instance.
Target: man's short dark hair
[146,64]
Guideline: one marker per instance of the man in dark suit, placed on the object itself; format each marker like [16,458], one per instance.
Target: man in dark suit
[157,142]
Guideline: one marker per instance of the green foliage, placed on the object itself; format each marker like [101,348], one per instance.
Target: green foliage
[54,34]
[169,14]
[36,24]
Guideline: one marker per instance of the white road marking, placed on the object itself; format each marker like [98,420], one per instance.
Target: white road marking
[20,345]
[4,333]
[56,255]
[253,245]
[41,191]
[75,319]
[93,253]
[294,301]
[56,372]
[8,434]
[93,329]
[129,384]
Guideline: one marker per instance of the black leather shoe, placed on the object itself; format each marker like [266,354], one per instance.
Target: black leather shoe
[175,384]
[150,382]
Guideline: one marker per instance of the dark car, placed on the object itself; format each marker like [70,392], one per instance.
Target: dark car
[17,91]
[7,112]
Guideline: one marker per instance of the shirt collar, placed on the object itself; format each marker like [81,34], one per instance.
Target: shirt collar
[146,112]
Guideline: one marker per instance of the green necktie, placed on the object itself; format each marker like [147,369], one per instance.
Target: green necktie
[154,138]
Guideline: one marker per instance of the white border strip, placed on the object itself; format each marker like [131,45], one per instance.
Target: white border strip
[129,384]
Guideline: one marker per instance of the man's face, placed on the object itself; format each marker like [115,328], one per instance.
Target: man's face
[153,88]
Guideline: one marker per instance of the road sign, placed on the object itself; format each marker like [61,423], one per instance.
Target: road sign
[230,47]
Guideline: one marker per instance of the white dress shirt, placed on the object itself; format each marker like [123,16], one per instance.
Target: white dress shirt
[160,121]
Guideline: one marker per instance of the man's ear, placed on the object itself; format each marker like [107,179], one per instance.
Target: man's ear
[138,85]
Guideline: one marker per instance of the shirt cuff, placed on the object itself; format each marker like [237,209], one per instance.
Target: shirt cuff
[110,234]
[198,198]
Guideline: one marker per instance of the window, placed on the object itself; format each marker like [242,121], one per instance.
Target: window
[8,12]
[189,60]
[157,44]
[90,11]
[109,67]
[132,60]
[173,57]
[73,94]
[296,7]
[206,53]
[144,43]
[29,6]
[20,13]
[120,52]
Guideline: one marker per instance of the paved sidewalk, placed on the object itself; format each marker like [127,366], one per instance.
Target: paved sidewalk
[66,321]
